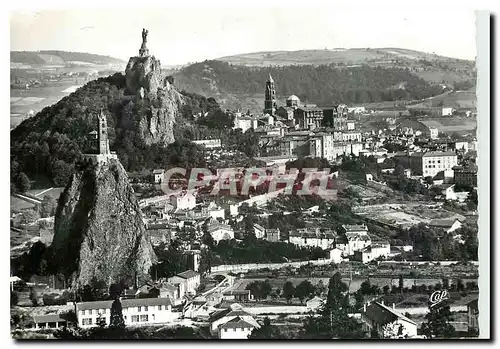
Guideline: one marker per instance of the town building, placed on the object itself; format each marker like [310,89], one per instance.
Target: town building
[308,117]
[209,143]
[136,312]
[158,175]
[189,278]
[48,321]
[241,323]
[430,163]
[336,117]
[447,111]
[221,231]
[336,255]
[244,122]
[465,175]
[353,238]
[272,235]
[312,237]
[387,322]
[372,252]
[184,200]
[270,97]
[314,303]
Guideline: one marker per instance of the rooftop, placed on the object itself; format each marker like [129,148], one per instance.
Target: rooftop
[48,318]
[188,274]
[237,322]
[126,303]
[382,314]
[439,153]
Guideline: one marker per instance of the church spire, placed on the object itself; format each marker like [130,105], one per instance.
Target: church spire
[270,97]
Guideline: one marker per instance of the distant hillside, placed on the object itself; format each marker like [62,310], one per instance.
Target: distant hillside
[243,87]
[60,57]
[451,99]
[430,67]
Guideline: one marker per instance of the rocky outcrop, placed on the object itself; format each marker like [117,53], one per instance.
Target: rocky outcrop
[158,102]
[99,234]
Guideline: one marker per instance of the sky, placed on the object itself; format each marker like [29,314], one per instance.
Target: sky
[193,33]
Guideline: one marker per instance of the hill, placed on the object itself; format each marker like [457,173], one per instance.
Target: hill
[48,57]
[48,145]
[237,86]
[430,67]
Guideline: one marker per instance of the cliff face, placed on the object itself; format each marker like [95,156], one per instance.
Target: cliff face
[99,233]
[157,100]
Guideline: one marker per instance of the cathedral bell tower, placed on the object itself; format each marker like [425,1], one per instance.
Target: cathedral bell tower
[270,97]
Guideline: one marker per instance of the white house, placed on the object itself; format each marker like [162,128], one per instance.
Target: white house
[183,201]
[387,322]
[158,175]
[236,328]
[136,312]
[372,252]
[259,231]
[447,111]
[242,323]
[189,278]
[220,231]
[314,303]
[336,255]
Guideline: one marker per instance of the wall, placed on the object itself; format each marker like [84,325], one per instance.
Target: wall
[254,266]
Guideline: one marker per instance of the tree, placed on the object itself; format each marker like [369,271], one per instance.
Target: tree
[48,206]
[438,322]
[116,315]
[288,291]
[266,331]
[34,297]
[23,182]
[304,290]
[14,298]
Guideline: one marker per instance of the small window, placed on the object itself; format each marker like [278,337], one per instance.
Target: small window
[145,308]
[144,318]
[159,307]
[139,309]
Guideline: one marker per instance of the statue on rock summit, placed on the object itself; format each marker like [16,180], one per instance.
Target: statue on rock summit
[144,51]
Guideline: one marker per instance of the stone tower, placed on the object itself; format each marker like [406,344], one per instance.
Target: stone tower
[270,98]
[103,134]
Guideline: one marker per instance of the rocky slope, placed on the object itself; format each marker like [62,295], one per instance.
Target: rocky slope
[159,102]
[99,233]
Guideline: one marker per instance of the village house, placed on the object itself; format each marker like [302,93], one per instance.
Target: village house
[259,231]
[136,312]
[238,295]
[353,238]
[314,303]
[387,322]
[158,175]
[48,321]
[183,201]
[221,231]
[472,314]
[272,235]
[190,279]
[312,237]
[241,323]
[372,252]
[336,255]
